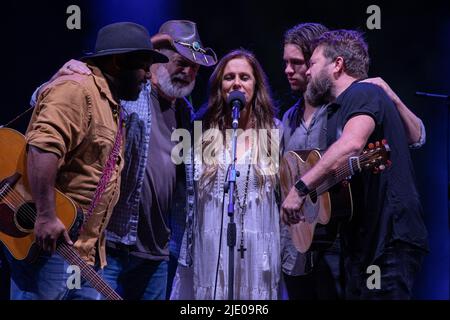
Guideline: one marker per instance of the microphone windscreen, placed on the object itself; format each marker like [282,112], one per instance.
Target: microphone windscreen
[237,96]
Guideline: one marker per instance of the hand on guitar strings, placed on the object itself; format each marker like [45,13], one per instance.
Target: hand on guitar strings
[291,211]
[48,231]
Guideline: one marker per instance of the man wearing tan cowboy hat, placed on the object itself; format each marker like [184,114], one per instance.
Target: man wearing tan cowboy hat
[72,136]
[155,192]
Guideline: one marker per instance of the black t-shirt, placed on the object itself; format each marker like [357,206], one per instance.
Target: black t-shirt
[387,205]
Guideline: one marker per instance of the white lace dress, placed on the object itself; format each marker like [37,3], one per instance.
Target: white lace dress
[257,274]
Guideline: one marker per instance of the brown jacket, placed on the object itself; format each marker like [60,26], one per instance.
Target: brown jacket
[74,119]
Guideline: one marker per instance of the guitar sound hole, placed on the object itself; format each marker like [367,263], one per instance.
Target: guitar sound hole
[26,216]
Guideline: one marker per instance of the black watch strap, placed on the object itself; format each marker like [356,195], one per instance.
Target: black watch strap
[301,187]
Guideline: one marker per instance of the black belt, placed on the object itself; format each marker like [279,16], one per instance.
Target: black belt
[117,246]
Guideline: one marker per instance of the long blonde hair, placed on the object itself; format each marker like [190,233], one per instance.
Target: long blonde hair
[216,121]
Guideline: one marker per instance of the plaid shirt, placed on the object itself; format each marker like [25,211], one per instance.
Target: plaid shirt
[123,225]
[124,221]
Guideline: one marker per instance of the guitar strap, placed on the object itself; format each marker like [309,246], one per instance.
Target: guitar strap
[107,171]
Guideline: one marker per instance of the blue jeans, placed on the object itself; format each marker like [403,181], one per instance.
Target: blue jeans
[172,269]
[46,279]
[135,278]
[4,276]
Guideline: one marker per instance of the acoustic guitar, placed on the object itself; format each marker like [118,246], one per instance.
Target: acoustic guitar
[331,202]
[18,213]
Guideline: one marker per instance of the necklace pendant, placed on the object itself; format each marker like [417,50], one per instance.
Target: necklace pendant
[242,250]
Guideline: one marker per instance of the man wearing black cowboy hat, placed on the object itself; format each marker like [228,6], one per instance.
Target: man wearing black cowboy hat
[73,134]
[155,193]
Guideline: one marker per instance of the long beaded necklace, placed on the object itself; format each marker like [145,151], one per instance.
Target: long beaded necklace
[243,205]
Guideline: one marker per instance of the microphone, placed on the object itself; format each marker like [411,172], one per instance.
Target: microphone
[236,100]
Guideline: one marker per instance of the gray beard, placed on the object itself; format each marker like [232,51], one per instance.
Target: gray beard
[169,88]
[319,90]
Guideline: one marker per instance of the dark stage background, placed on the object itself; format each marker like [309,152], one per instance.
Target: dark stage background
[411,52]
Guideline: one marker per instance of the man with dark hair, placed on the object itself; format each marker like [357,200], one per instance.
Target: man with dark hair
[317,274]
[387,230]
[74,143]
[146,227]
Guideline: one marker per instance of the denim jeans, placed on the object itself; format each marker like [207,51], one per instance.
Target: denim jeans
[46,279]
[398,266]
[135,278]
[323,282]
[172,268]
[4,276]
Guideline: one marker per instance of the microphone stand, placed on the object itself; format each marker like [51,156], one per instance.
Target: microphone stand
[231,228]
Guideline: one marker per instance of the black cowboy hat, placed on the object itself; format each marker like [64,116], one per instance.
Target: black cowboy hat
[182,35]
[124,37]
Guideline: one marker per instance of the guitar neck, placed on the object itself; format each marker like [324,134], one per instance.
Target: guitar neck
[87,271]
[340,174]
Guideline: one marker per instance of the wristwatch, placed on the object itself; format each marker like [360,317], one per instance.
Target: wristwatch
[302,188]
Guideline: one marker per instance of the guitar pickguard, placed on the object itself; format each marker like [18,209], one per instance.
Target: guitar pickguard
[8,222]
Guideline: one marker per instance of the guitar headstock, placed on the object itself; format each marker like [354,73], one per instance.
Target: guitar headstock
[376,156]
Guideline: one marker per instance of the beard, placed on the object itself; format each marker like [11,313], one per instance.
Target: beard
[129,85]
[319,90]
[175,86]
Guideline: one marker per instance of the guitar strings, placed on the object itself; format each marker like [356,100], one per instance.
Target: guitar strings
[27,214]
[337,177]
[96,281]
[31,215]
[67,252]
[20,202]
[15,196]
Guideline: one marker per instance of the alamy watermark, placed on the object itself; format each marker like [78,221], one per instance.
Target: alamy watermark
[374,20]
[374,280]
[74,280]
[208,147]
[74,20]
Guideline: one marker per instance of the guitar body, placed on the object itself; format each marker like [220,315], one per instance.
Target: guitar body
[322,212]
[16,222]
[18,213]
